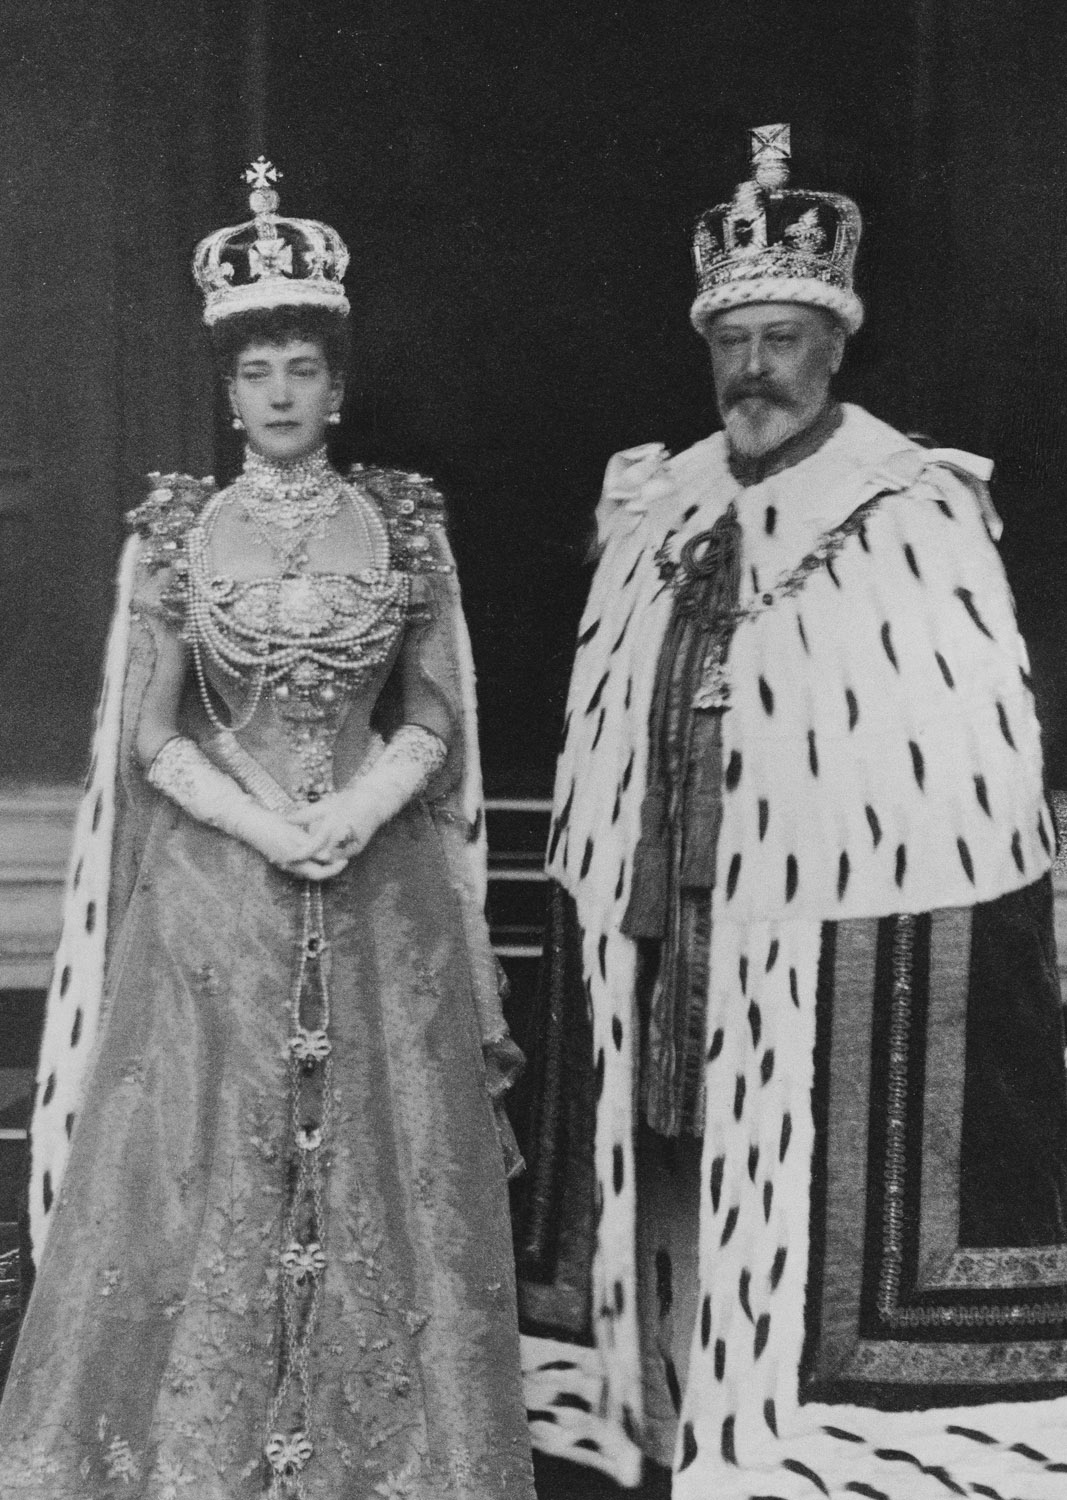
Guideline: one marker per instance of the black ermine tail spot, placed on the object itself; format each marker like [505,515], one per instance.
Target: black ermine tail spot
[1017,851]
[1005,727]
[598,693]
[733,770]
[772,954]
[617,1168]
[716,1044]
[763,1329]
[716,1181]
[901,864]
[887,646]
[791,876]
[733,875]
[770,1416]
[739,1096]
[587,859]
[918,765]
[705,1323]
[966,598]
[965,859]
[874,825]
[764,817]
[842,874]
[982,793]
[786,1136]
[1042,835]
[588,633]
[794,988]
[778,1267]
[744,1283]
[720,1358]
[766,696]
[689,1446]
[950,681]
[853,708]
[813,753]
[729,1451]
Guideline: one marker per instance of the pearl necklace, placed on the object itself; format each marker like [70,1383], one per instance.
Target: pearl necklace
[276,657]
[298,499]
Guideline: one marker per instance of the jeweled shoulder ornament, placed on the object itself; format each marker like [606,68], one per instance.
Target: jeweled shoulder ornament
[772,243]
[270,261]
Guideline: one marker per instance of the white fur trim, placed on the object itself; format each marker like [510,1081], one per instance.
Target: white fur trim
[564,1391]
[801,289]
[275,292]
[76,990]
[926,569]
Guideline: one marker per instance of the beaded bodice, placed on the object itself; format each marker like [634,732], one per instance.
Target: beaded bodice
[295,646]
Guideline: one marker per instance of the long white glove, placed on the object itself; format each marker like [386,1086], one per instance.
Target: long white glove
[344,822]
[182,772]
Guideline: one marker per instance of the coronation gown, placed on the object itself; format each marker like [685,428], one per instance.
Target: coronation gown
[183,1320]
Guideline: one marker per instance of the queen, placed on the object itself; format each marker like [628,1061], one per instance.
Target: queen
[268,1157]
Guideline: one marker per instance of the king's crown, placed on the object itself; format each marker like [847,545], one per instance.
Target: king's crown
[771,243]
[270,261]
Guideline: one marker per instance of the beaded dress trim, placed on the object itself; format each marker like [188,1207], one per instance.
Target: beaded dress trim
[309,639]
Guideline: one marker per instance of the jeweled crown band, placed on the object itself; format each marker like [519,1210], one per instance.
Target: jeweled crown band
[771,243]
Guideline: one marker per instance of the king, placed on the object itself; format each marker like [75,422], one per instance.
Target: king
[797,1214]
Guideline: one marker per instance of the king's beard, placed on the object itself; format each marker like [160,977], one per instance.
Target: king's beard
[756,427]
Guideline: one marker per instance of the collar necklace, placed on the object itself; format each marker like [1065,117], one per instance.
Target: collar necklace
[292,495]
[750,471]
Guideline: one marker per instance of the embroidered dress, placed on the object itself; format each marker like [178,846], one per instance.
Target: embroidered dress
[278,1259]
[835,1262]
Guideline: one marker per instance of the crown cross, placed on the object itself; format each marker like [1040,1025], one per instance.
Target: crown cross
[770,155]
[261,173]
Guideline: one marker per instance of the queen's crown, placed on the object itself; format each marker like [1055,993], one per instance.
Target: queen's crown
[270,261]
[771,243]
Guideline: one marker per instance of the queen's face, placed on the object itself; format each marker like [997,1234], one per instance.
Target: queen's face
[284,394]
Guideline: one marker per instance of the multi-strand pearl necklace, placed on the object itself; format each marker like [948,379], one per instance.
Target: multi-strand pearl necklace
[288,505]
[277,655]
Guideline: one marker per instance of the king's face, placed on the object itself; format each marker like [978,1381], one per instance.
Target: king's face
[772,364]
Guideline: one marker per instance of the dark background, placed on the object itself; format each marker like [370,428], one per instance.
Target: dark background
[517,183]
